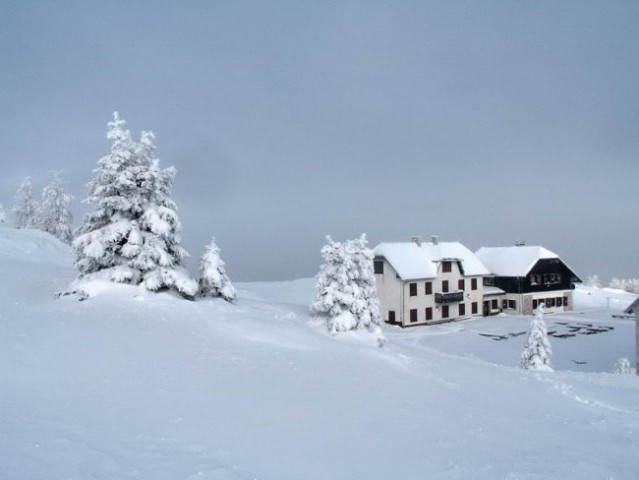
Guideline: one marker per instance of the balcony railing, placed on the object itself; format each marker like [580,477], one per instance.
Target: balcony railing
[451,297]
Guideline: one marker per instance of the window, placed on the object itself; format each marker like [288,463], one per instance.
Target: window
[445,311]
[429,288]
[550,302]
[473,284]
[504,304]
[429,313]
[565,301]
[413,316]
[379,267]
[447,267]
[489,281]
[535,304]
[495,304]
[391,316]
[461,285]
[474,308]
[512,304]
[535,279]
[444,286]
[559,301]
[412,289]
[552,278]
[462,309]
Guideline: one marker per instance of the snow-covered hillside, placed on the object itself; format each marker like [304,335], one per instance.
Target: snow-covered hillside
[134,385]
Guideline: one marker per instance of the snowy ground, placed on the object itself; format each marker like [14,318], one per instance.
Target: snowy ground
[130,385]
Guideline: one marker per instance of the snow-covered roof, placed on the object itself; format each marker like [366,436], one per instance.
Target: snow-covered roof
[634,306]
[490,290]
[513,261]
[412,261]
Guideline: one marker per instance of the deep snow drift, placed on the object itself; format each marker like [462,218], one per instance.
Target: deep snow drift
[134,385]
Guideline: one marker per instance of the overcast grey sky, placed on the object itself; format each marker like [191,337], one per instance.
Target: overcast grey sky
[483,122]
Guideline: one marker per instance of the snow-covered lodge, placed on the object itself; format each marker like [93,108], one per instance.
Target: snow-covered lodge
[524,276]
[421,283]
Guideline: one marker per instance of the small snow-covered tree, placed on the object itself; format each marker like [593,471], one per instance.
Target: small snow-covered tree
[537,351]
[2,217]
[623,366]
[24,208]
[345,290]
[593,281]
[54,215]
[213,281]
[132,236]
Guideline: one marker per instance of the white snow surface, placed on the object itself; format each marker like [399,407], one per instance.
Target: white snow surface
[135,385]
[413,262]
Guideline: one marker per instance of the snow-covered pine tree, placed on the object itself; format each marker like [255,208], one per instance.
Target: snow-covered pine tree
[345,290]
[213,281]
[53,215]
[132,236]
[623,366]
[160,255]
[24,208]
[536,353]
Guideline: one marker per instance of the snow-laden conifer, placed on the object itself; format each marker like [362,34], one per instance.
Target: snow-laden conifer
[537,351]
[623,366]
[132,236]
[345,290]
[24,207]
[54,215]
[213,281]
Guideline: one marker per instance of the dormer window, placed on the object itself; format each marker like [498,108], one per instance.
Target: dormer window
[447,267]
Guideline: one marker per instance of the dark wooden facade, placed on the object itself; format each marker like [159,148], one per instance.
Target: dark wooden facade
[546,275]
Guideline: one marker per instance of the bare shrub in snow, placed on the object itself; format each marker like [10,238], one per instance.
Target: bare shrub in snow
[54,215]
[213,281]
[345,290]
[537,351]
[132,235]
[623,366]
[24,207]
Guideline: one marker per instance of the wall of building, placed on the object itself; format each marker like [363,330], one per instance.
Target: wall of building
[389,292]
[395,295]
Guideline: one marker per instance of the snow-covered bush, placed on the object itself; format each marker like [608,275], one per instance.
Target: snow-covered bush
[345,290]
[537,351]
[213,281]
[53,215]
[630,285]
[24,208]
[623,366]
[133,232]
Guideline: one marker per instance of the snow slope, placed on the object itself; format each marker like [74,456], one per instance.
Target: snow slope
[132,385]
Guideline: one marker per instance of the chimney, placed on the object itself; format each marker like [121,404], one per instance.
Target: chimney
[417,241]
[520,243]
[434,239]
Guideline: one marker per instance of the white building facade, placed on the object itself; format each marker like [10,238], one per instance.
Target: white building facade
[421,283]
